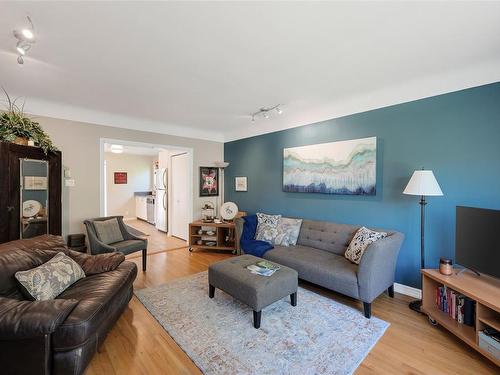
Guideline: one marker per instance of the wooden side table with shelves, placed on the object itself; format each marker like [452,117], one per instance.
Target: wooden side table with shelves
[484,290]
[212,236]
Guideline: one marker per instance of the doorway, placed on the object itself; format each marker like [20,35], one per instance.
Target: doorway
[176,162]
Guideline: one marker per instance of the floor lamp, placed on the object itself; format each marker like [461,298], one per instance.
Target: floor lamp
[221,165]
[422,183]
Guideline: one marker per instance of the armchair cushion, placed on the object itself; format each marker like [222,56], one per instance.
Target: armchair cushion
[28,319]
[129,246]
[108,231]
[50,279]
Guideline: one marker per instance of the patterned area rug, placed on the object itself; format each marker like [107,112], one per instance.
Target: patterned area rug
[319,336]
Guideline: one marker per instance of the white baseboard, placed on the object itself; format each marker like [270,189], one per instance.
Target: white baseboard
[408,290]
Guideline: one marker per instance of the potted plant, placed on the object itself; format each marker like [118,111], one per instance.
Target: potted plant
[16,127]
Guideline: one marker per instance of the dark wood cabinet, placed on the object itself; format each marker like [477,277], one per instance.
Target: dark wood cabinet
[14,187]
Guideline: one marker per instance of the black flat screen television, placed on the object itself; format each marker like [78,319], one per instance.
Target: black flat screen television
[477,241]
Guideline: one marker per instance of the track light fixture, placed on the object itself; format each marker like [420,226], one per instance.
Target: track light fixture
[25,40]
[267,112]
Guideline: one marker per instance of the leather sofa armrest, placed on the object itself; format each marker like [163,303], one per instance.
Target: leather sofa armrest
[99,263]
[378,266]
[30,319]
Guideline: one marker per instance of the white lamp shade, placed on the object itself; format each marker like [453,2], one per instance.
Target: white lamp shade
[423,183]
[221,164]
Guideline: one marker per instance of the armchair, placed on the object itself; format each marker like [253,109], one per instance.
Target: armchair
[130,243]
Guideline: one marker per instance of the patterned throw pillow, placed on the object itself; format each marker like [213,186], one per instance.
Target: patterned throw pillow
[267,227]
[361,240]
[288,232]
[47,281]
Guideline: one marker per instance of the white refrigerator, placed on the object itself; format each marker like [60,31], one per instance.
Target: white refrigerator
[161,200]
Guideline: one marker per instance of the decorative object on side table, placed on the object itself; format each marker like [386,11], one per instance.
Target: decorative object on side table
[445,266]
[209,182]
[228,211]
[208,212]
[240,184]
[422,183]
[345,168]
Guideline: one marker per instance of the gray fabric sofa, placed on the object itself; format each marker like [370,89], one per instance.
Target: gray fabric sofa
[319,258]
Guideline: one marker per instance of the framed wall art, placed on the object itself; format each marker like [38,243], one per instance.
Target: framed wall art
[209,181]
[345,167]
[120,178]
[240,184]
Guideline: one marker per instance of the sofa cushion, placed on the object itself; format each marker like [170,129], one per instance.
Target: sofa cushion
[99,297]
[319,267]
[128,246]
[363,238]
[108,231]
[330,237]
[267,227]
[288,231]
[50,279]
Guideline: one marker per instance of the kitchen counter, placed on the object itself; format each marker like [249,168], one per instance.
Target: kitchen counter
[143,193]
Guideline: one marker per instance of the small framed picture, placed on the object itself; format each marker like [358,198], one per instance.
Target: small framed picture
[209,182]
[120,178]
[240,184]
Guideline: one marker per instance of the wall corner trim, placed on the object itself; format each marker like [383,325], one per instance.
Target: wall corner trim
[408,290]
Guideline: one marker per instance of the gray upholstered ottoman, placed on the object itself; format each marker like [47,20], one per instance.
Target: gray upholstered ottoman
[256,291]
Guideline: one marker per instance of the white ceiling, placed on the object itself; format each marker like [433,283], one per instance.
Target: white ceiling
[200,69]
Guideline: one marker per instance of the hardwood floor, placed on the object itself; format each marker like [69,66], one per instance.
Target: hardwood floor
[157,241]
[139,345]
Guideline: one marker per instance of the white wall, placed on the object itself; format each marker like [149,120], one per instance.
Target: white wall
[80,142]
[120,197]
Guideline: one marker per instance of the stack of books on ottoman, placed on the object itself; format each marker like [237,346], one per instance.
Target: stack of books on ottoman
[263,268]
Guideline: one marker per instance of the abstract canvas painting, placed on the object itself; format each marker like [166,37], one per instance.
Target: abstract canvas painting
[345,167]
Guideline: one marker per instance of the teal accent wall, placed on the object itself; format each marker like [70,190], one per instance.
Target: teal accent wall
[457,135]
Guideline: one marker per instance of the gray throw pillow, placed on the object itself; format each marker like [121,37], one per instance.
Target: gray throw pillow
[108,231]
[288,231]
[47,281]
[267,226]
[363,238]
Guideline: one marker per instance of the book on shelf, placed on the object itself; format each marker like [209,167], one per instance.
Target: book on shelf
[459,307]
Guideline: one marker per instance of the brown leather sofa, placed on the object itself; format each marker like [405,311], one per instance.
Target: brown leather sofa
[59,336]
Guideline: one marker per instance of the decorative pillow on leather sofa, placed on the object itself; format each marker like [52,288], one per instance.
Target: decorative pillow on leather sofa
[267,227]
[47,281]
[288,232]
[108,231]
[361,240]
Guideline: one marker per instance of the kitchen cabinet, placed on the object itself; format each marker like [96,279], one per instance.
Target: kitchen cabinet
[141,207]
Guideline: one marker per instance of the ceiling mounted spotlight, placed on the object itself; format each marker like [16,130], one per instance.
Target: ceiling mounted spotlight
[266,112]
[25,39]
